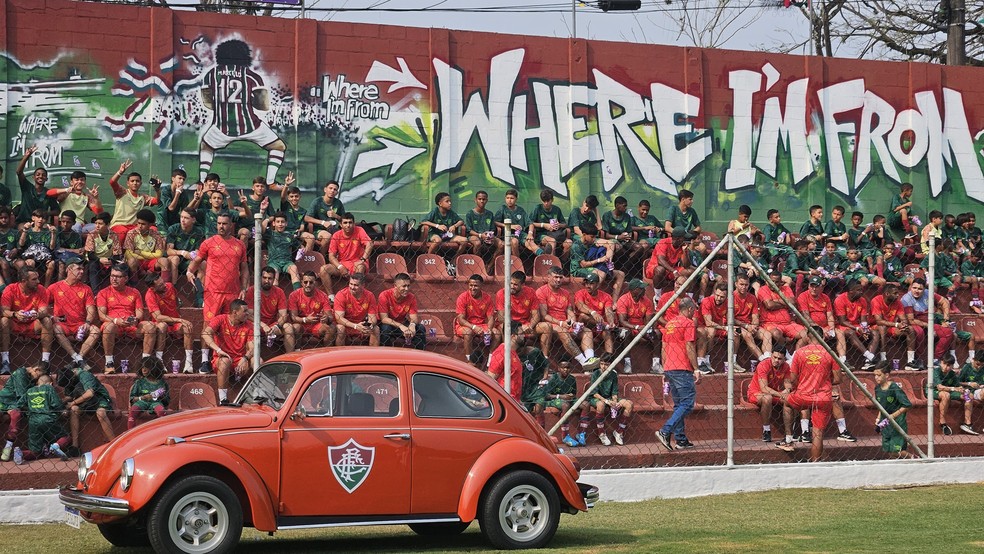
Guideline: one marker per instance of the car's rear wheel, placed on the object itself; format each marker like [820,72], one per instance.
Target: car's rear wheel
[125,534]
[439,529]
[195,515]
[520,510]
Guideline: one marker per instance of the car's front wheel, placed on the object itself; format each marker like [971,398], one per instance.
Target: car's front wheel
[196,514]
[520,510]
[124,534]
[439,529]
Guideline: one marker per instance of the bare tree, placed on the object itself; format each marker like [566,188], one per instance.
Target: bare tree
[707,24]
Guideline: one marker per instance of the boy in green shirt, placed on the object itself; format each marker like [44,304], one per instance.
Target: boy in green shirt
[835,229]
[800,266]
[947,387]
[617,225]
[558,394]
[325,214]
[280,244]
[683,214]
[13,402]
[891,397]
[441,224]
[87,396]
[480,226]
[947,278]
[900,218]
[150,393]
[605,401]
[812,229]
[549,233]
[585,215]
[892,268]
[972,273]
[46,434]
[649,230]
[777,236]
[517,215]
[535,373]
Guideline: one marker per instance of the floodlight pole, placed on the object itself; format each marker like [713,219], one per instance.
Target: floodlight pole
[573,19]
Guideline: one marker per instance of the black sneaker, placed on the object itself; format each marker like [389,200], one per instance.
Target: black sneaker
[766,436]
[847,437]
[664,439]
[946,429]
[684,444]
[45,366]
[966,428]
[868,366]
[205,368]
[5,368]
[806,437]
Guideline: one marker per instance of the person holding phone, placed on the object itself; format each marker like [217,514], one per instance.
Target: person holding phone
[121,313]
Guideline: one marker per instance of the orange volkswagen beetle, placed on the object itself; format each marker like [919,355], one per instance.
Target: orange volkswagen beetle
[336,436]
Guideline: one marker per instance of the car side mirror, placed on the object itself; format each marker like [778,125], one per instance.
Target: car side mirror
[299,414]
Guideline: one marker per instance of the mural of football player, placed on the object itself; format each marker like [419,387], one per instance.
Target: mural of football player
[234,93]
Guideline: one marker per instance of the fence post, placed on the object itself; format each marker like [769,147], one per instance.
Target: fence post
[507,301]
[257,263]
[730,366]
[930,343]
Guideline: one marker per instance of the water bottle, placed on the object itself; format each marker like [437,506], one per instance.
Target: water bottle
[651,233]
[157,393]
[124,366]
[600,328]
[553,223]
[406,340]
[269,341]
[448,235]
[666,388]
[432,333]
[193,254]
[610,265]
[864,325]
[518,231]
[487,338]
[576,328]
[614,412]
[626,365]
[80,334]
[175,366]
[781,237]
[895,364]
[966,395]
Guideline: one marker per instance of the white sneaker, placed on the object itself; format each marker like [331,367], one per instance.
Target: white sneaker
[626,365]
[657,367]
[619,439]
[188,367]
[604,439]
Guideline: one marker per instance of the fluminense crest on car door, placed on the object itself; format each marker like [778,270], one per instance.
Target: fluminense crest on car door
[351,464]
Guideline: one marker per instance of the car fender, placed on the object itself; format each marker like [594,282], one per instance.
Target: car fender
[154,468]
[510,452]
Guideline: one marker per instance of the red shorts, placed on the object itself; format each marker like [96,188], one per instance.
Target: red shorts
[127,330]
[148,265]
[217,303]
[175,328]
[788,330]
[820,410]
[459,330]
[720,333]
[70,328]
[25,328]
[313,328]
[350,264]
[753,399]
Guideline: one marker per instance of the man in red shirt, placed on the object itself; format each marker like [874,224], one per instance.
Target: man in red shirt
[273,309]
[348,252]
[680,372]
[596,310]
[634,311]
[714,318]
[524,307]
[665,264]
[75,312]
[747,319]
[497,368]
[557,311]
[816,305]
[474,317]
[770,380]
[231,337]
[121,313]
[851,310]
[891,323]
[162,303]
[356,313]
[310,310]
[399,323]
[775,316]
[25,312]
[815,379]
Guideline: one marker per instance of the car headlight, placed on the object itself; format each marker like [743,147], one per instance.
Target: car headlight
[126,474]
[85,462]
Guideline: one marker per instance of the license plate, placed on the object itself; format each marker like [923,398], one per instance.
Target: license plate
[72,517]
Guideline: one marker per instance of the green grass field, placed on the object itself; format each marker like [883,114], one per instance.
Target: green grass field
[813,520]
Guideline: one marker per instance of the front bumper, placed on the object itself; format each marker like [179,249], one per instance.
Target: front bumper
[590,493]
[107,505]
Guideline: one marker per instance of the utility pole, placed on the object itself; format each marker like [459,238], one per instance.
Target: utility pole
[956,53]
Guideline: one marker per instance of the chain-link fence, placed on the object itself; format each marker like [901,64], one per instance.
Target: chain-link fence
[635,349]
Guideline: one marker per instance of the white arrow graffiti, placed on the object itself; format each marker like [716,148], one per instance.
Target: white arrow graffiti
[375,188]
[392,154]
[402,78]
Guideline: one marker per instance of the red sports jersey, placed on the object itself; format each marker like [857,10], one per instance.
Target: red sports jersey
[71,301]
[853,311]
[557,301]
[678,332]
[600,302]
[888,313]
[673,310]
[497,366]
[15,299]
[308,306]
[355,309]
[780,315]
[814,366]
[233,339]
[773,376]
[271,302]
[522,304]
[119,303]
[746,305]
[222,258]
[166,303]
[397,310]
[477,311]
[816,308]
[718,312]
[636,313]
[665,248]
[349,248]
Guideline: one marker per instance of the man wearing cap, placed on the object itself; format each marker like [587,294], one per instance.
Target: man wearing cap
[557,312]
[75,312]
[589,256]
[634,310]
[775,316]
[681,373]
[596,310]
[666,262]
[816,305]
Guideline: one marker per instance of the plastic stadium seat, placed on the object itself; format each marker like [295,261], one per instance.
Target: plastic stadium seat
[857,397]
[196,394]
[499,264]
[915,270]
[311,261]
[918,399]
[470,264]
[973,325]
[389,265]
[432,268]
[542,265]
[119,409]
[383,394]
[434,328]
[720,267]
[641,395]
[742,403]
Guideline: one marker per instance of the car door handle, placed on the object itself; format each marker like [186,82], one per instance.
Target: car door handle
[401,436]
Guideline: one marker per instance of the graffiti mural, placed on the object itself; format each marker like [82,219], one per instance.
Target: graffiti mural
[399,114]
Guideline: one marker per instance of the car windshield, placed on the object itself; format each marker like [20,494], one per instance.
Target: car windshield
[271,385]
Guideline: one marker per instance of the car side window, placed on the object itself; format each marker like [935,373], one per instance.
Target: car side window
[442,396]
[353,395]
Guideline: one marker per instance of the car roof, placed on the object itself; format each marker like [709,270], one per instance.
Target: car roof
[348,355]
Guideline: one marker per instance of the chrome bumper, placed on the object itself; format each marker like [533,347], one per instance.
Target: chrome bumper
[73,498]
[590,493]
